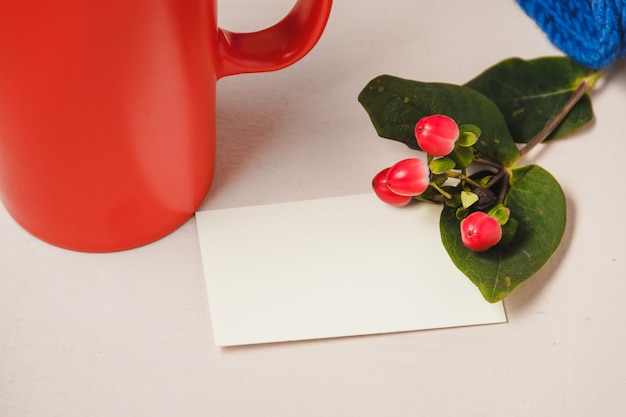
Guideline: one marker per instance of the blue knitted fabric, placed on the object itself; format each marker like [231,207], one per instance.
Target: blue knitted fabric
[593,32]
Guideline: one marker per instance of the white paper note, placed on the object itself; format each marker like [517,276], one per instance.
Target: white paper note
[332,267]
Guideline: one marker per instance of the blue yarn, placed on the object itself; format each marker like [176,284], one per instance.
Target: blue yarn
[592,32]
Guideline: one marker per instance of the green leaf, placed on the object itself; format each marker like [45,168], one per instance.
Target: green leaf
[395,105]
[529,93]
[537,204]
[468,198]
[467,139]
[468,135]
[501,213]
[441,165]
[462,156]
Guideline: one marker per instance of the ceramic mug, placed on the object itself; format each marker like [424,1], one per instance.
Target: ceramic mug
[107,110]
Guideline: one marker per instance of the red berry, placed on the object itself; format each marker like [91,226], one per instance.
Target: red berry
[479,231]
[409,177]
[379,184]
[436,134]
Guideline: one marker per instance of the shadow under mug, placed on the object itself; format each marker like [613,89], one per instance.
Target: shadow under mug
[107,111]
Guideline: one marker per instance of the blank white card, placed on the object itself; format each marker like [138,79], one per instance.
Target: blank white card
[332,267]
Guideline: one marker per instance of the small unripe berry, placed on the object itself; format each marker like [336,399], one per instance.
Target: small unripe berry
[479,231]
[408,177]
[379,184]
[436,134]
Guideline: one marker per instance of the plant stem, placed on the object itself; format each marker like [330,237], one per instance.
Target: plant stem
[489,163]
[463,177]
[441,191]
[505,187]
[494,180]
[583,88]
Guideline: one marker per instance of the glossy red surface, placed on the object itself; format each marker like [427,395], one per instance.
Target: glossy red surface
[107,111]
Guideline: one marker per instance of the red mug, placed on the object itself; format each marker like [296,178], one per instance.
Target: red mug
[107,110]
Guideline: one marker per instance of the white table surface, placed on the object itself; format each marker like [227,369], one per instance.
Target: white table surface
[129,333]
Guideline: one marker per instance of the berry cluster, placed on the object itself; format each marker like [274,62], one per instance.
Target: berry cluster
[450,151]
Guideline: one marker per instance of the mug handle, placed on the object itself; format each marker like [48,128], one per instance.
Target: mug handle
[275,47]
